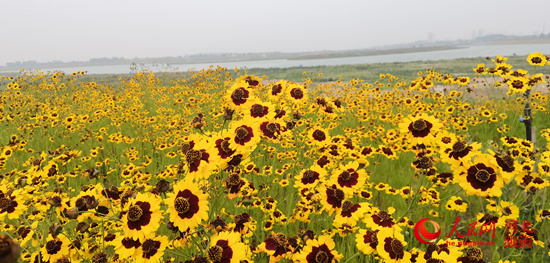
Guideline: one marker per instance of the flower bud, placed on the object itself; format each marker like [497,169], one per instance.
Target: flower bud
[9,250]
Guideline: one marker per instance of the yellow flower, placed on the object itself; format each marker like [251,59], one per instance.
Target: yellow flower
[456,204]
[537,59]
[142,216]
[260,110]
[126,247]
[309,178]
[13,203]
[480,69]
[276,246]
[518,85]
[252,80]
[379,219]
[199,155]
[318,136]
[349,177]
[188,205]
[227,247]
[245,135]
[455,151]
[332,198]
[366,241]
[277,89]
[55,248]
[481,177]
[420,129]
[319,250]
[296,93]
[350,213]
[391,246]
[239,95]
[152,249]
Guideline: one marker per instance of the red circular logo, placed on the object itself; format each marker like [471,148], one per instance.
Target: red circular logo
[423,235]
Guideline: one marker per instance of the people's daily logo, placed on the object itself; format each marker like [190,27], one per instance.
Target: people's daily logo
[423,235]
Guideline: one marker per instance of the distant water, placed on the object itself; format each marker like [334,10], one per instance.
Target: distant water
[466,52]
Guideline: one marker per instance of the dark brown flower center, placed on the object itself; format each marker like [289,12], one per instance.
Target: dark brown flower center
[225,146]
[181,205]
[80,203]
[185,148]
[23,231]
[347,206]
[446,139]
[192,156]
[233,179]
[55,201]
[215,253]
[309,174]
[272,127]
[474,253]
[257,109]
[52,247]
[431,248]
[319,135]
[419,125]
[517,84]
[134,213]
[339,195]
[374,238]
[228,114]
[218,223]
[383,215]
[483,175]
[238,94]
[507,210]
[458,202]
[280,239]
[297,93]
[91,202]
[241,132]
[148,246]
[536,60]
[459,146]
[321,101]
[486,218]
[508,160]
[100,257]
[241,218]
[276,89]
[397,247]
[321,257]
[425,162]
[4,203]
[345,175]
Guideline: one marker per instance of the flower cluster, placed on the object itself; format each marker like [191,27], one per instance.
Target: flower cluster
[222,166]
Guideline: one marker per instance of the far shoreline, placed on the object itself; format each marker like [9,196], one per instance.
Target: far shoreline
[346,69]
[294,56]
[520,42]
[423,47]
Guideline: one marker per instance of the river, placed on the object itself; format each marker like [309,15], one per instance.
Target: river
[466,52]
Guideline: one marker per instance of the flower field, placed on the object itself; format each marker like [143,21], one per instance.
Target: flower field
[221,166]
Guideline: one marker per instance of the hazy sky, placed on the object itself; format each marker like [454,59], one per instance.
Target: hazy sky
[80,30]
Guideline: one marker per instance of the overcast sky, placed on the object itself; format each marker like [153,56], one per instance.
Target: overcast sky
[79,30]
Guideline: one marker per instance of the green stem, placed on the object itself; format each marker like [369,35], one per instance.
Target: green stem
[414,195]
[354,255]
